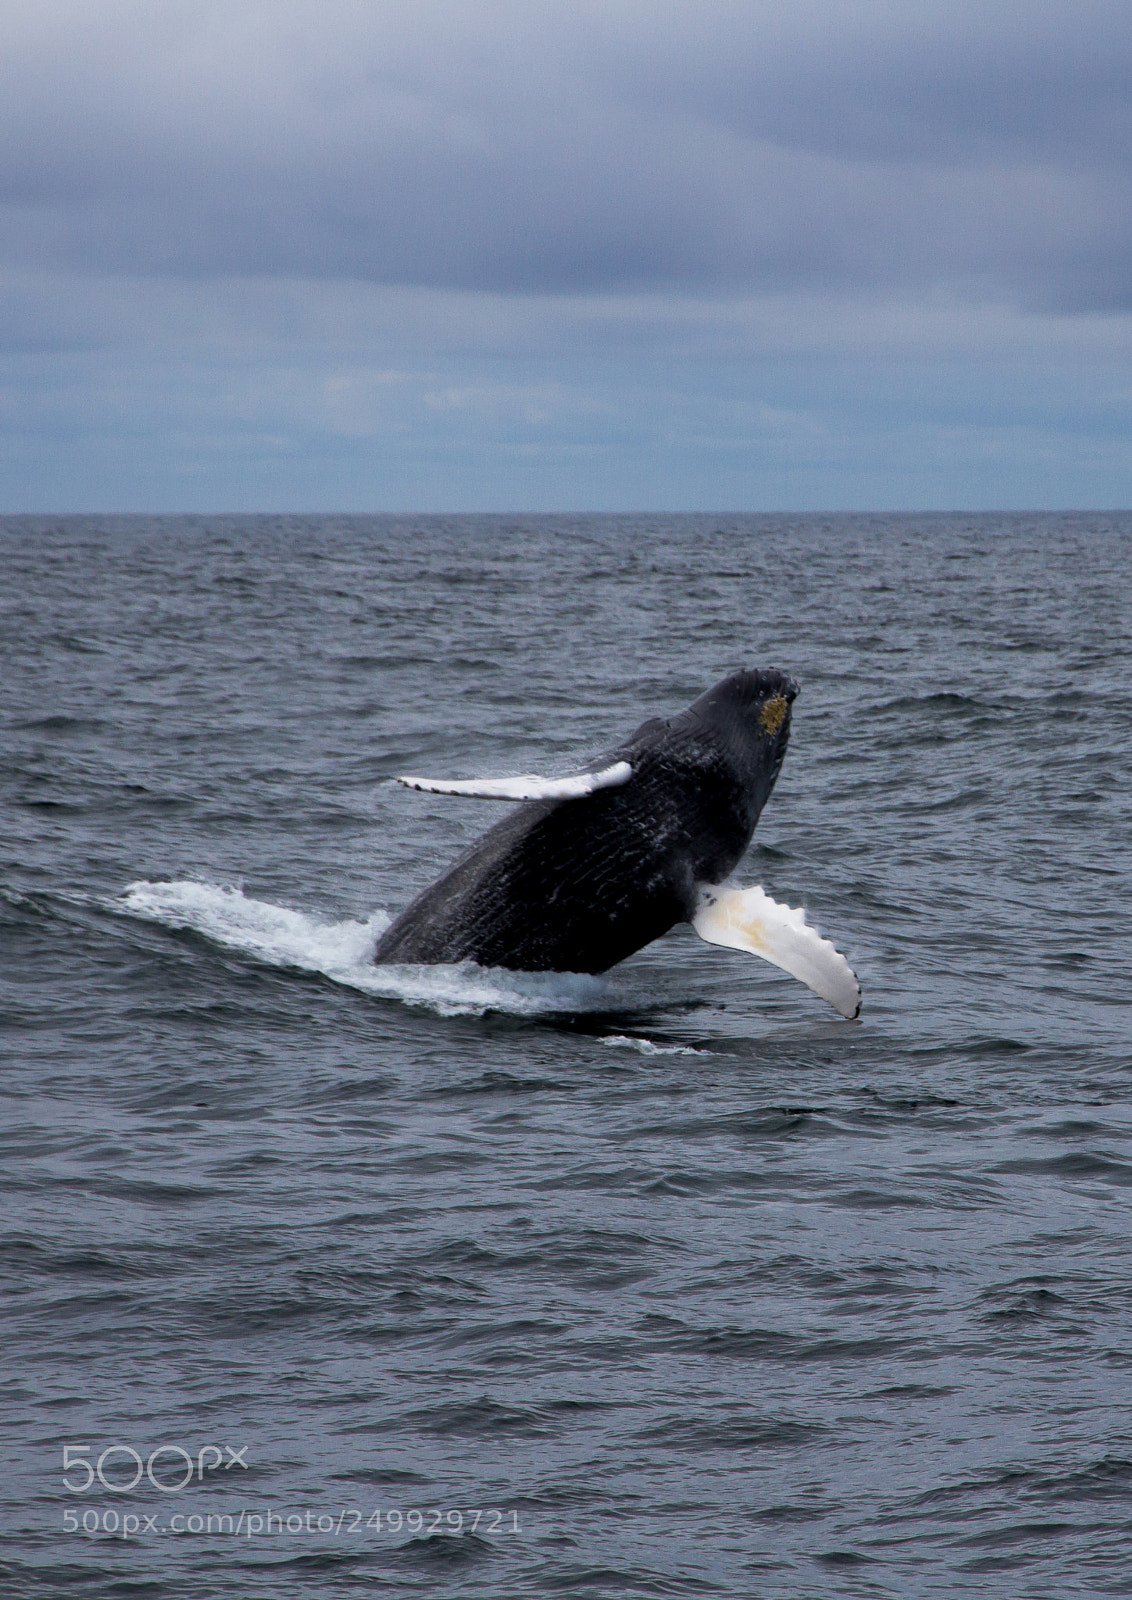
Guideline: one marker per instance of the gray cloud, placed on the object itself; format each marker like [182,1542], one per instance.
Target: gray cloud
[897,148]
[478,253]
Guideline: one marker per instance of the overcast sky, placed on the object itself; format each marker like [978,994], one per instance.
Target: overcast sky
[459,256]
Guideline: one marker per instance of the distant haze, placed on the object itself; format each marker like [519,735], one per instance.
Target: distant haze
[448,256]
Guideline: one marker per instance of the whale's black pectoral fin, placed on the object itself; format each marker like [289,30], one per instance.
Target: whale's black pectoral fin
[528,786]
[748,919]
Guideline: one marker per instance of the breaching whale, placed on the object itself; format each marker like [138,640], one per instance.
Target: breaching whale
[592,867]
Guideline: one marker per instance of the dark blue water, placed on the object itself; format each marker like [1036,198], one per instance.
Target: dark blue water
[682,1284]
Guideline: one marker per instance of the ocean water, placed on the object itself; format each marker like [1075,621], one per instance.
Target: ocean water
[323,1280]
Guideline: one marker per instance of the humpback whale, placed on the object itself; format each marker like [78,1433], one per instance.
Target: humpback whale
[592,867]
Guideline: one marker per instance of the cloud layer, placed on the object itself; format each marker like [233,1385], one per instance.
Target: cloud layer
[580,147]
[547,231]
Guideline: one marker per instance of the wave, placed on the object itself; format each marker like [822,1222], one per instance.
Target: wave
[343,952]
[648,1047]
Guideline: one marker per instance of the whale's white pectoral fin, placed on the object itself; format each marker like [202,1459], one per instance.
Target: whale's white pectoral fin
[748,919]
[528,786]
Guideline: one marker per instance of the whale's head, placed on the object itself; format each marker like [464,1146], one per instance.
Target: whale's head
[748,715]
[754,705]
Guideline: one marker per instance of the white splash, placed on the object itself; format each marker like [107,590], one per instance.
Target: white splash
[343,951]
[646,1047]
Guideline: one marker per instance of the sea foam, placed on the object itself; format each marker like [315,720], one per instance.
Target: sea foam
[343,951]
